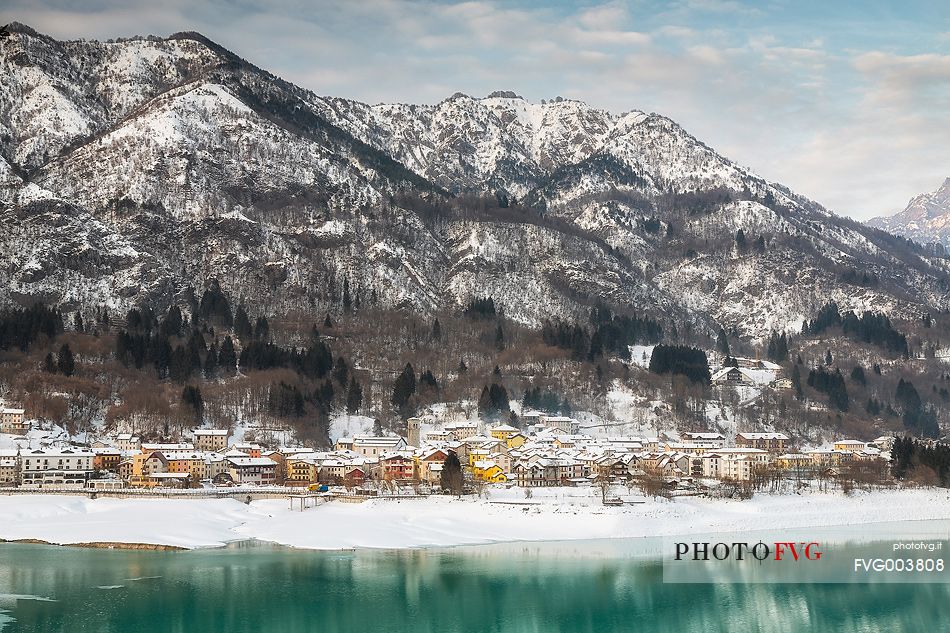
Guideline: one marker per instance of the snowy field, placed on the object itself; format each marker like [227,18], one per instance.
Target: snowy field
[551,514]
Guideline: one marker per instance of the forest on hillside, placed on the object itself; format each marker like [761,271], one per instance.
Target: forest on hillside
[212,362]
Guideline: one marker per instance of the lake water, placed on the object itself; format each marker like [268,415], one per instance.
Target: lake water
[596,586]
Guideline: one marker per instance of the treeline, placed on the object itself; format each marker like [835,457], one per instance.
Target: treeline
[871,327]
[480,308]
[917,418]
[694,203]
[777,348]
[19,328]
[681,359]
[609,334]
[408,390]
[832,384]
[926,461]
[545,400]
[179,351]
[493,402]
[216,343]
[616,332]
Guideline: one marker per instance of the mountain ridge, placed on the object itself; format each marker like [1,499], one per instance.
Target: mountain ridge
[174,161]
[926,218]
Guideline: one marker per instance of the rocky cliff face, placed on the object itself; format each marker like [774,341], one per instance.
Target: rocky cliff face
[138,169]
[926,218]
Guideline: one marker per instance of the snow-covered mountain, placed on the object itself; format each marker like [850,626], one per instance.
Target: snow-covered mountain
[926,218]
[137,170]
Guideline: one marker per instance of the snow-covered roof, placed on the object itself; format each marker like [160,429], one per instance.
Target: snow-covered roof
[57,452]
[739,451]
[369,440]
[181,446]
[704,436]
[762,436]
[252,461]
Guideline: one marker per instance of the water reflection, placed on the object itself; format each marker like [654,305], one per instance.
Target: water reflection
[511,588]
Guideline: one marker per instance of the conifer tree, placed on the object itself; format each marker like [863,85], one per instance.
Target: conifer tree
[242,324]
[354,397]
[403,389]
[65,361]
[227,357]
[451,479]
[191,398]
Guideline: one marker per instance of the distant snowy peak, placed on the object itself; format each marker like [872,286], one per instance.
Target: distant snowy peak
[925,219]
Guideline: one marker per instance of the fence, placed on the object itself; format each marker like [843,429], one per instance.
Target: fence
[242,494]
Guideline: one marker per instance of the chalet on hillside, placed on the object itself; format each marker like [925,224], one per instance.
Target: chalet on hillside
[732,376]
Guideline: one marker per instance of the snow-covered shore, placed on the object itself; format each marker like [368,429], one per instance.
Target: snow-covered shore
[555,514]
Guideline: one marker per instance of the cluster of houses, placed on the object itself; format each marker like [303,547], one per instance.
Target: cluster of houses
[749,372]
[546,451]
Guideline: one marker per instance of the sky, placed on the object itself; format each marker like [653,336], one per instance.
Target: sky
[846,102]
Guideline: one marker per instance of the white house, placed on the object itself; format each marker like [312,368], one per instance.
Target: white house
[372,446]
[55,468]
[562,423]
[709,440]
[215,440]
[461,430]
[254,471]
[128,442]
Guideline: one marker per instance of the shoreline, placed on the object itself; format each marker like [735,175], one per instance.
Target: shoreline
[562,515]
[155,547]
[253,541]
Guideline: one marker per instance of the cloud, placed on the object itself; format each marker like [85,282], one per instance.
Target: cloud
[894,141]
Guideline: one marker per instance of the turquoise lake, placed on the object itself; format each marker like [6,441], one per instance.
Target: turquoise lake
[577,587]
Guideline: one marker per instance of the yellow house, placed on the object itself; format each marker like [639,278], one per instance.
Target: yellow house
[850,446]
[516,441]
[825,457]
[564,441]
[503,432]
[477,454]
[791,461]
[106,458]
[488,471]
[300,472]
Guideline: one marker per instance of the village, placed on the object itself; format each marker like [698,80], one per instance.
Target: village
[548,451]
